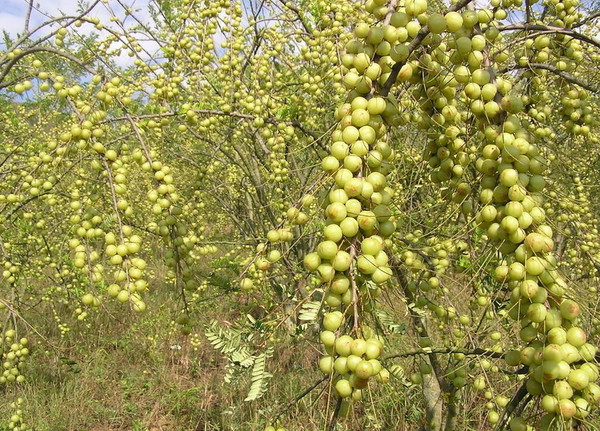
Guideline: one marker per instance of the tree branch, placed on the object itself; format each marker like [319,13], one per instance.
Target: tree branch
[559,30]
[414,44]
[466,352]
[586,20]
[553,69]
[28,16]
[32,50]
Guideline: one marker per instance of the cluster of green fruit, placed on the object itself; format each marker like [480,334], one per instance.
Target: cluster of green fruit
[16,419]
[129,270]
[355,360]
[574,210]
[351,260]
[511,165]
[179,239]
[440,253]
[268,253]
[14,355]
[556,351]
[10,271]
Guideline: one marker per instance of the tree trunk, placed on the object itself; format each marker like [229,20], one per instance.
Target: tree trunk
[432,393]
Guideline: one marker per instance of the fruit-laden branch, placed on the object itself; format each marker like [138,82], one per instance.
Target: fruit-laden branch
[27,36]
[270,120]
[258,38]
[416,249]
[294,8]
[17,315]
[414,44]
[33,50]
[553,69]
[558,30]
[16,209]
[586,20]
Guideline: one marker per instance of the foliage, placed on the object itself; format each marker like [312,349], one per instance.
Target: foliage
[400,193]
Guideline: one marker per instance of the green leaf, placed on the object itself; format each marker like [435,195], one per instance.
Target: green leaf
[260,378]
[309,311]
[389,323]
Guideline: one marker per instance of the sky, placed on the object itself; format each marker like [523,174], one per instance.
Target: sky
[12,17]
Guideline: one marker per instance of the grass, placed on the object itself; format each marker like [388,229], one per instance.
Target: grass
[123,373]
[116,375]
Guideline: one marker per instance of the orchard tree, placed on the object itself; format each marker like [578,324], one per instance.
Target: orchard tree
[407,186]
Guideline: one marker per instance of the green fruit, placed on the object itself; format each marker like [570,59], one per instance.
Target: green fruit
[372,350]
[366,264]
[342,261]
[360,117]
[588,353]
[336,211]
[566,408]
[340,365]
[87,299]
[454,21]
[569,309]
[364,370]
[550,403]
[576,336]
[332,321]
[343,345]
[578,379]
[327,338]
[353,362]
[562,390]
[343,388]
[333,232]
[535,265]
[246,284]
[340,284]
[312,261]
[376,105]
[513,358]
[583,408]
[359,347]
[517,423]
[330,164]
[349,227]
[326,365]
[327,249]
[381,275]
[436,23]
[370,246]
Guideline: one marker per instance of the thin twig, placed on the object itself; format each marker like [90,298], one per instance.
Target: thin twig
[553,69]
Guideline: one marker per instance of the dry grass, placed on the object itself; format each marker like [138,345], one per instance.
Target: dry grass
[122,375]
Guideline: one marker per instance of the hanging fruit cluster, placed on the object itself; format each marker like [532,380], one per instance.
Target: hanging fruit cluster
[14,354]
[351,260]
[510,162]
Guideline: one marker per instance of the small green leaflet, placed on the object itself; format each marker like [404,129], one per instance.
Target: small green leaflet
[309,311]
[387,321]
[260,377]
